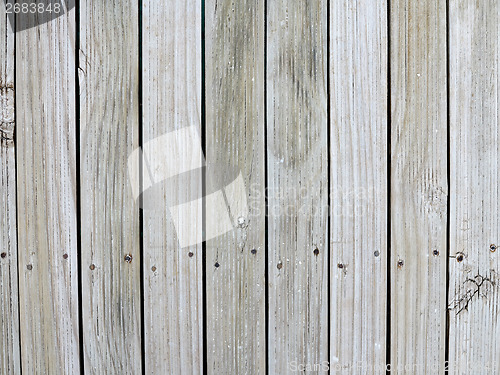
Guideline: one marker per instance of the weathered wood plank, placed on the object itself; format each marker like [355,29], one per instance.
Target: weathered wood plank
[10,361]
[359,231]
[46,187]
[474,183]
[298,184]
[418,185]
[173,273]
[235,155]
[109,133]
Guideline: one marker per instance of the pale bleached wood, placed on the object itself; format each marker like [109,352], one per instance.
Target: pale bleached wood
[298,183]
[109,133]
[475,177]
[418,185]
[46,187]
[235,144]
[172,101]
[359,136]
[10,362]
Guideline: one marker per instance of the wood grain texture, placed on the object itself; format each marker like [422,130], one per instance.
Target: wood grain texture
[298,185]
[109,132]
[359,137]
[418,185]
[46,187]
[475,177]
[235,147]
[172,101]
[10,360]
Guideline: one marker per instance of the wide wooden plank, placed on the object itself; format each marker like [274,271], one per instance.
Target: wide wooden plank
[235,266]
[172,104]
[46,187]
[109,133]
[418,185]
[359,141]
[474,183]
[297,158]
[10,361]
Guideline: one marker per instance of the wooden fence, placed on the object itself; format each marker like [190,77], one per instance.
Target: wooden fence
[367,137]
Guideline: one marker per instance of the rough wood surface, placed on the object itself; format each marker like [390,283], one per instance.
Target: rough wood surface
[418,185]
[298,185]
[359,87]
[172,273]
[235,149]
[109,133]
[475,177]
[46,187]
[9,314]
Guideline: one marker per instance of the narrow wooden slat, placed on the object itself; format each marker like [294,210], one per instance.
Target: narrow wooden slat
[298,183]
[109,133]
[235,157]
[9,314]
[475,177]
[418,185]
[172,101]
[46,187]
[358,68]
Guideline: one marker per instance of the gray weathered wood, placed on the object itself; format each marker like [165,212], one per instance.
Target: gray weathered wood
[10,361]
[298,185]
[475,177]
[235,149]
[109,133]
[46,187]
[418,184]
[359,136]
[172,101]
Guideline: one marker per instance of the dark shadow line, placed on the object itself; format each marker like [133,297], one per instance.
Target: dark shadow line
[266,198]
[448,174]
[389,232]
[329,168]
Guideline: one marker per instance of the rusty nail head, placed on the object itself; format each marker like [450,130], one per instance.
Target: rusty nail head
[190,254]
[65,256]
[435,252]
[92,267]
[153,268]
[3,255]
[280,265]
[493,248]
[316,251]
[340,265]
[128,258]
[460,257]
[29,267]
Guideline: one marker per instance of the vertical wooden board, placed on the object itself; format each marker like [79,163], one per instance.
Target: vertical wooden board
[475,177]
[9,304]
[46,187]
[359,136]
[235,266]
[172,103]
[109,133]
[297,183]
[418,185]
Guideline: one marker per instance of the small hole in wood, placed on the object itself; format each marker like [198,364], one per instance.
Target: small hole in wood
[3,255]
[29,267]
[376,253]
[460,257]
[493,248]
[340,265]
[254,251]
[217,265]
[435,253]
[190,254]
[316,252]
